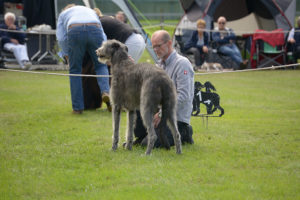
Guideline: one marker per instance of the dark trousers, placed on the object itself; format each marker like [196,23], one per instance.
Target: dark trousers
[140,132]
[296,51]
[198,56]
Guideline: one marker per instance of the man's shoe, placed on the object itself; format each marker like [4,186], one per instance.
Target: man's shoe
[26,64]
[244,65]
[105,99]
[77,112]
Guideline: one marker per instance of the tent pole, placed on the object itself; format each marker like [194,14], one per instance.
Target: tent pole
[282,13]
[92,3]
[56,11]
[125,7]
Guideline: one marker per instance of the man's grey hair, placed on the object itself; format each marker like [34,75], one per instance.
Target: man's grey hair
[9,14]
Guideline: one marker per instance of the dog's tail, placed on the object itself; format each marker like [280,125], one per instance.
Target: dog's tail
[168,109]
[217,105]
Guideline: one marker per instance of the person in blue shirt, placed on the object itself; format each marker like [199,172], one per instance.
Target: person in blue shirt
[13,40]
[79,30]
[198,43]
[225,39]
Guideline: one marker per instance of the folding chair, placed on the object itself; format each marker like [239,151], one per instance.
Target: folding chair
[7,56]
[269,55]
[268,48]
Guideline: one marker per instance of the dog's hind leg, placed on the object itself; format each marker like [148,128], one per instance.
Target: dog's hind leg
[151,139]
[147,117]
[172,123]
[116,114]
[130,127]
[213,110]
[222,111]
[176,136]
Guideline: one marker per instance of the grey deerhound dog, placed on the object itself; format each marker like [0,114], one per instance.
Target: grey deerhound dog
[139,86]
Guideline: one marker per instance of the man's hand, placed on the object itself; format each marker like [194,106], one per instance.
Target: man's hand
[156,119]
[14,41]
[12,27]
[292,40]
[66,59]
[205,49]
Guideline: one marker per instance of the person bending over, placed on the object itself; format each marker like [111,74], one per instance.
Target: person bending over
[79,30]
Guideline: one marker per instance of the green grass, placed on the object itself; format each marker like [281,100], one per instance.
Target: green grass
[252,152]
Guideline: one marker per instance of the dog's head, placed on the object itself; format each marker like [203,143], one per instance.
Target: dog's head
[109,49]
[198,86]
[209,86]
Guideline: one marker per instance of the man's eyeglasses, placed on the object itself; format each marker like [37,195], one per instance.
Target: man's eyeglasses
[222,23]
[159,45]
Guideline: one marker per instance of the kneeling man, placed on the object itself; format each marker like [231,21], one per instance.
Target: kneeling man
[180,70]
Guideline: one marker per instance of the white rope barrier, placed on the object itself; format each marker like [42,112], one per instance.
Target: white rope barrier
[29,31]
[152,26]
[182,26]
[178,26]
[249,70]
[196,74]
[56,74]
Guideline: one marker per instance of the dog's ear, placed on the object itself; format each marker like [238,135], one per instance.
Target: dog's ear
[126,48]
[115,45]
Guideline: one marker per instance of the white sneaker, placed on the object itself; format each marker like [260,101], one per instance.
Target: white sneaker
[26,64]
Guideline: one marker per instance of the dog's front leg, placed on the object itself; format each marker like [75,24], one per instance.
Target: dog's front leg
[197,108]
[116,115]
[130,126]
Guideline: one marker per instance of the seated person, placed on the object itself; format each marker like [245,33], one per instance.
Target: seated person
[198,43]
[224,37]
[14,41]
[294,41]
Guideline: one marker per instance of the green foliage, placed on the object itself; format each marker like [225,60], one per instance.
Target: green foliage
[252,152]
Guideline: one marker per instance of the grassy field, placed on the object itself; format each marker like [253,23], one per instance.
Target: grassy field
[252,152]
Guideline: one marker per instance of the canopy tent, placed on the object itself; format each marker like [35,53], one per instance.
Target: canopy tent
[242,15]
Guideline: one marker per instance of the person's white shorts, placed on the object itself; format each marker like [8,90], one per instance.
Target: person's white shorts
[136,46]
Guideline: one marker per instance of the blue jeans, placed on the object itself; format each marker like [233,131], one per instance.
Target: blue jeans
[232,51]
[82,39]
